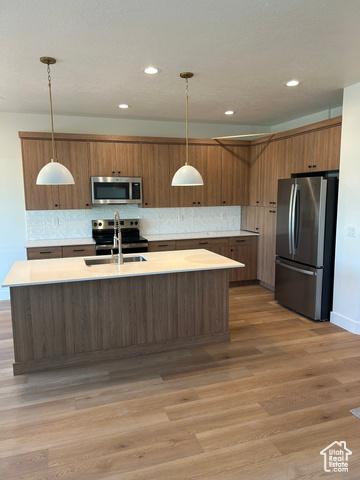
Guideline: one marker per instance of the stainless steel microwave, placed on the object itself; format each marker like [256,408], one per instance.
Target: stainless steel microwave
[115,190]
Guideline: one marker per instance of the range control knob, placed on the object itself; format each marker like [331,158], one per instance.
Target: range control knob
[136,223]
[100,224]
[95,224]
[131,223]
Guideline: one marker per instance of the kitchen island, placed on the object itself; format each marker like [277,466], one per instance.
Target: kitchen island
[67,313]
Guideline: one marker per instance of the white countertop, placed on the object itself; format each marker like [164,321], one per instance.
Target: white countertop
[60,270]
[60,242]
[188,236]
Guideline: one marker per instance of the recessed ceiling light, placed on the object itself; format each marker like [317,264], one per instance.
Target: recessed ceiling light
[151,70]
[292,83]
[123,105]
[229,112]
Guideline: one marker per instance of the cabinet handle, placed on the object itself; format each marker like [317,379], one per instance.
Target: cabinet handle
[257,201]
[56,204]
[163,245]
[78,250]
[113,172]
[224,201]
[309,166]
[257,228]
[239,241]
[49,251]
[194,203]
[119,171]
[314,166]
[198,203]
[203,243]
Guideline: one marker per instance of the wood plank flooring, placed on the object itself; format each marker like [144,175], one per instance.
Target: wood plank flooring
[260,407]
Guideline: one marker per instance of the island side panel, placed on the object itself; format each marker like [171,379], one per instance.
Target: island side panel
[63,324]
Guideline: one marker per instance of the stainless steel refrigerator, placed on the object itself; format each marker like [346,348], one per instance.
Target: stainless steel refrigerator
[305,244]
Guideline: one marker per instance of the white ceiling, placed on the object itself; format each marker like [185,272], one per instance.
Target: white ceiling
[241,53]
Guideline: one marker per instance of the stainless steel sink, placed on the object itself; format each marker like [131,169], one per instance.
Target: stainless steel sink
[106,261]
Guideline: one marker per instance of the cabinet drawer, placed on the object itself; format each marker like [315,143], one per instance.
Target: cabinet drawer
[201,243]
[161,246]
[78,251]
[43,252]
[242,241]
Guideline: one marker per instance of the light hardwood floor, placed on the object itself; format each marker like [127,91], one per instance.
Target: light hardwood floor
[261,407]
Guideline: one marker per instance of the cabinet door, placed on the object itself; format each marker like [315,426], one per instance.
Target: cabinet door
[36,154]
[128,160]
[179,196]
[78,251]
[266,245]
[163,246]
[235,175]
[243,250]
[38,253]
[249,219]
[156,182]
[303,152]
[207,160]
[256,166]
[327,149]
[102,158]
[74,156]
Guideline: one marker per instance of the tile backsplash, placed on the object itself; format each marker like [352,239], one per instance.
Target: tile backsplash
[51,224]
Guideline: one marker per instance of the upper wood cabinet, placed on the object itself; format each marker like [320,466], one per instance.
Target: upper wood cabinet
[72,154]
[235,175]
[109,159]
[207,160]
[317,151]
[155,175]
[36,154]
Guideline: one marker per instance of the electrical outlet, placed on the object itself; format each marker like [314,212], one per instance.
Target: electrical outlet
[351,231]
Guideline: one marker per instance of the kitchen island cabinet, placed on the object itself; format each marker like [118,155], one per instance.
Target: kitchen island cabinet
[66,313]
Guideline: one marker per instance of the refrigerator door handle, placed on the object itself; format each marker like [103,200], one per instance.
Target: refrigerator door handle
[300,270]
[295,219]
[291,209]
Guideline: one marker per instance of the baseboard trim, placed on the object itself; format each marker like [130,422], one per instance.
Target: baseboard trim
[344,322]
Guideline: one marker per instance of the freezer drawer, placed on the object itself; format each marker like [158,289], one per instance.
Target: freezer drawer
[299,287]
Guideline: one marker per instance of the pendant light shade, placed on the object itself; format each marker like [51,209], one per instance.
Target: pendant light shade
[53,173]
[187,176]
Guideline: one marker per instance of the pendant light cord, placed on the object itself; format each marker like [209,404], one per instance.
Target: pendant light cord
[51,115]
[187,123]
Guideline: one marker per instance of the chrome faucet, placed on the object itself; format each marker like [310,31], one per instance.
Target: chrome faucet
[117,238]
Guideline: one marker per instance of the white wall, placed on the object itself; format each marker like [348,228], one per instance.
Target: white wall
[12,205]
[346,306]
[308,120]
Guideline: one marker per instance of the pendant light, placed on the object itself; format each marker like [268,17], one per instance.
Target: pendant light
[187,175]
[53,173]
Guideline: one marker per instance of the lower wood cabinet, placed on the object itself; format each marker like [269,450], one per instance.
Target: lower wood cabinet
[38,253]
[162,246]
[244,250]
[263,220]
[241,249]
